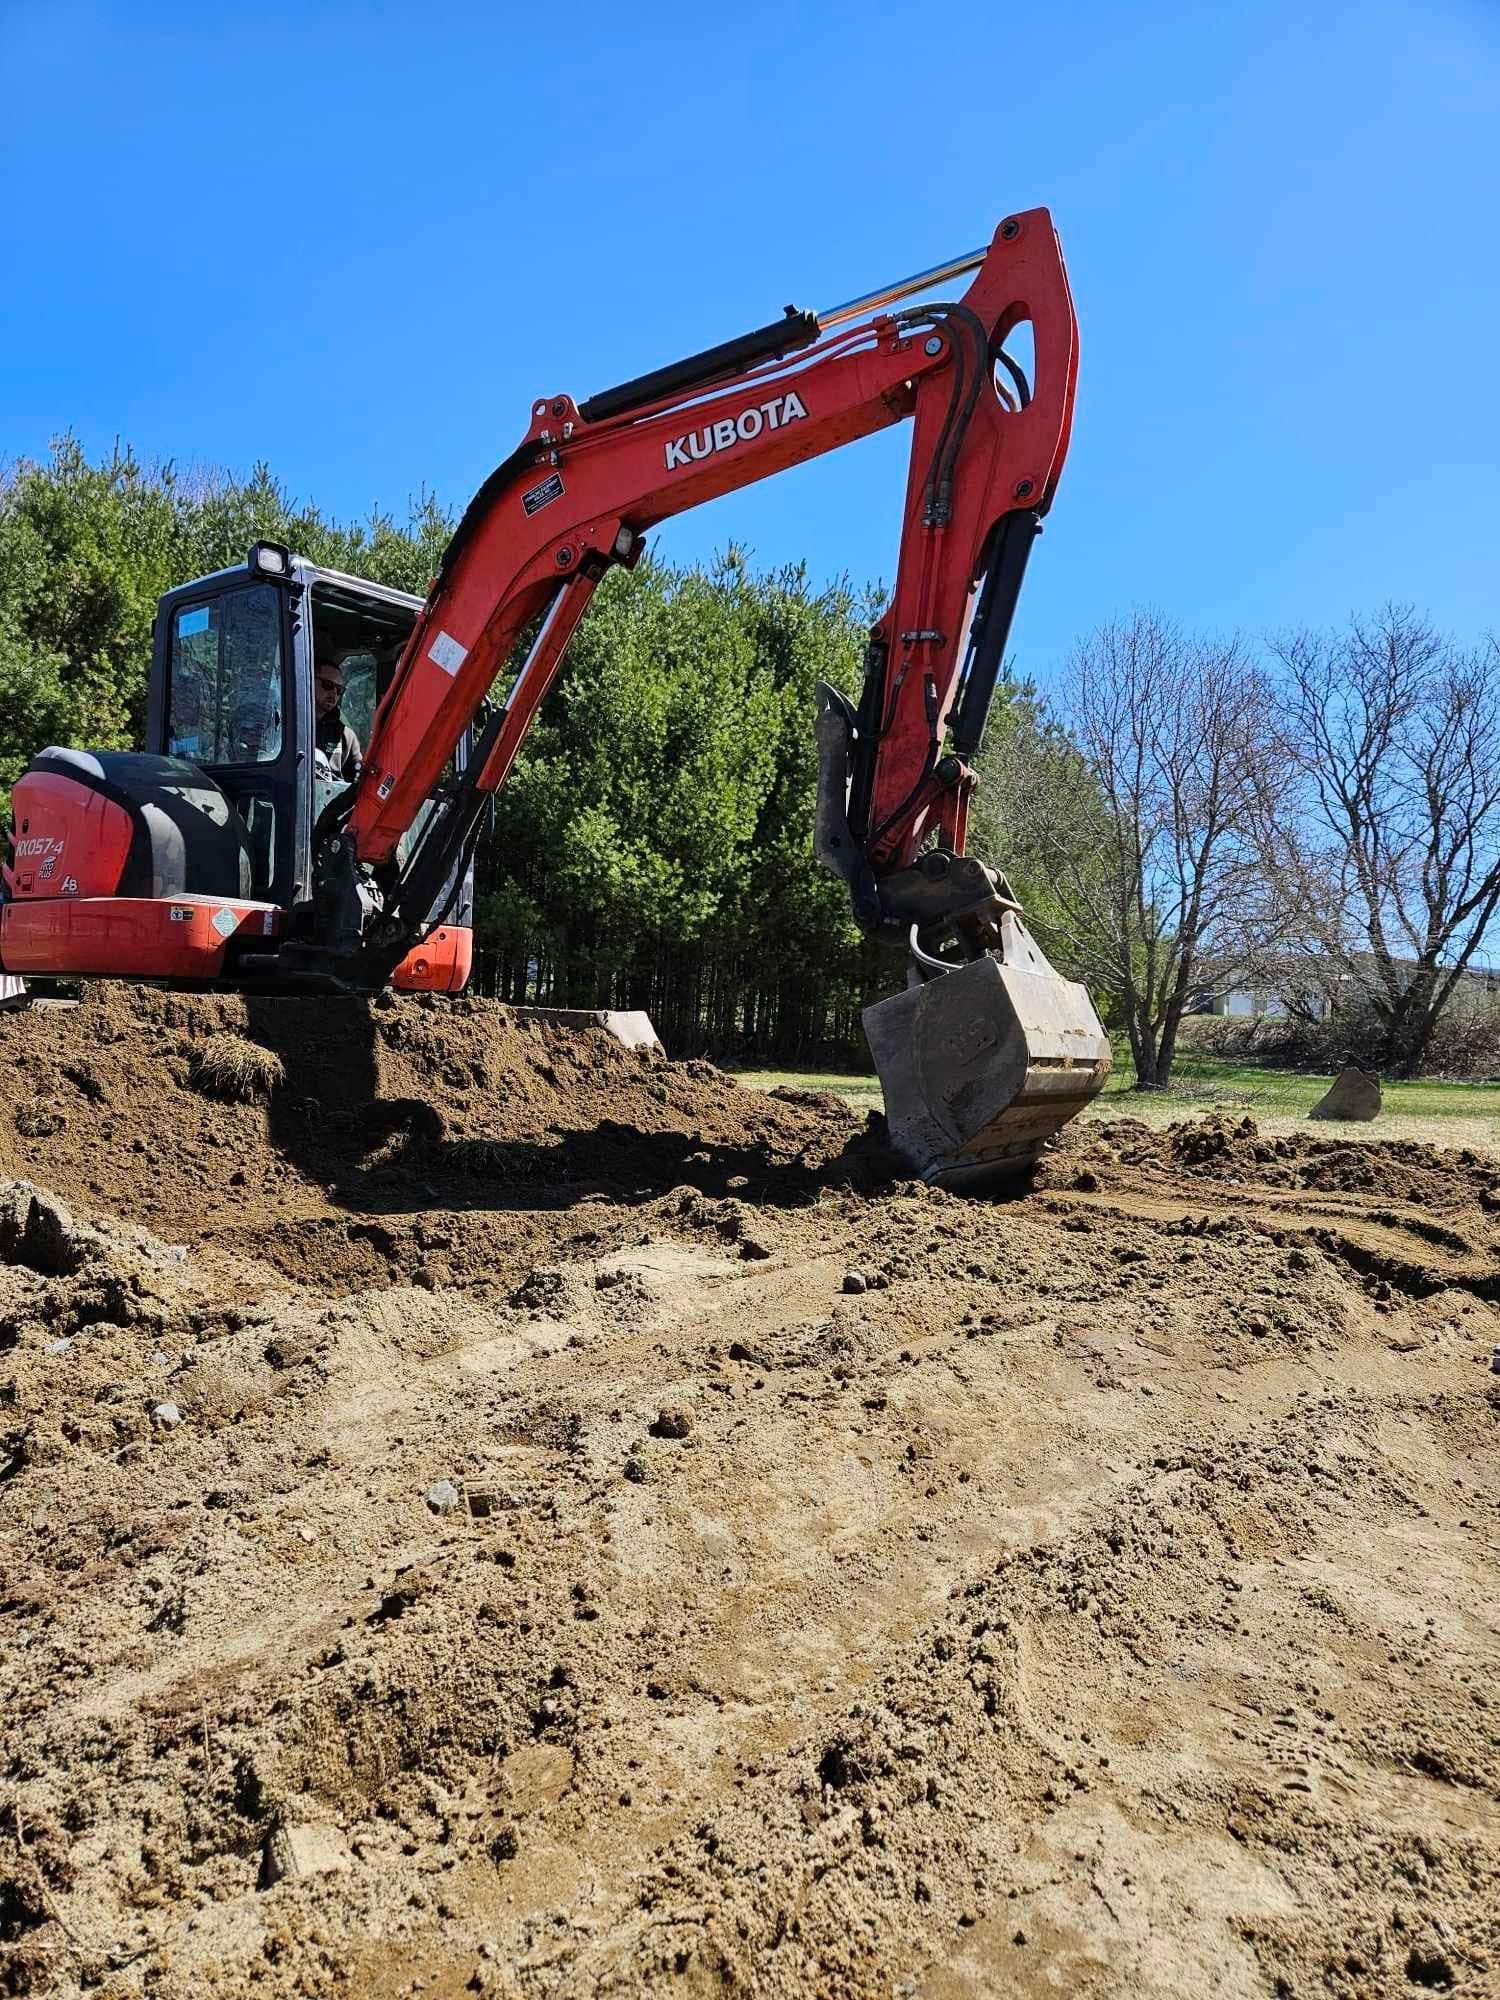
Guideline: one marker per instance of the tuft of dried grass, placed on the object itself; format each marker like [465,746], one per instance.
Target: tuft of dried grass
[38,1120]
[236,1071]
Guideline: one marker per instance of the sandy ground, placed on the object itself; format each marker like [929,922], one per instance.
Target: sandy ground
[516,1518]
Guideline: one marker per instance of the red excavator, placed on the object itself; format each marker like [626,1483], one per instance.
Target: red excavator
[231,852]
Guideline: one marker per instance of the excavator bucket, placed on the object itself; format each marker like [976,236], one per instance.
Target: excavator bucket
[982,1064]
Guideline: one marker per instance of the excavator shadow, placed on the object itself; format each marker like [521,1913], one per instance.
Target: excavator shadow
[380,1154]
[574,1167]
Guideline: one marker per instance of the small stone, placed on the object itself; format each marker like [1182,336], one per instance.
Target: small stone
[166,1416]
[306,1535]
[63,1345]
[160,1360]
[672,1421]
[635,1472]
[1495,1362]
[856,1282]
[303,1850]
[443,1497]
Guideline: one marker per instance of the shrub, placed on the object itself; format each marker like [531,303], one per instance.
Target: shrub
[1463,1048]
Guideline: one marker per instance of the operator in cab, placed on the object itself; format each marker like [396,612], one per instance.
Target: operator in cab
[335,739]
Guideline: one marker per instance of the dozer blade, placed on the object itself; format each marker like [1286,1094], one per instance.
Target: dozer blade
[981,1065]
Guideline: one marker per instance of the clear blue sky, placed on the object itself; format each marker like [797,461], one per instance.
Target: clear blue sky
[357,240]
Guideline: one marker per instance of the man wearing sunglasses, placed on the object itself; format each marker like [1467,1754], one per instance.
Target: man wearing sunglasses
[333,736]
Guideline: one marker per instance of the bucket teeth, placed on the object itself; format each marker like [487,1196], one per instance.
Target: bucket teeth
[981,1065]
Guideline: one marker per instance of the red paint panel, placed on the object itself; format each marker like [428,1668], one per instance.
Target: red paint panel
[129,937]
[440,964]
[65,833]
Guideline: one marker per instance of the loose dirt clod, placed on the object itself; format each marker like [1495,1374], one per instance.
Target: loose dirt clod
[1100,1602]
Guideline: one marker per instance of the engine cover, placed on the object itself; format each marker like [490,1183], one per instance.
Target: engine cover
[120,823]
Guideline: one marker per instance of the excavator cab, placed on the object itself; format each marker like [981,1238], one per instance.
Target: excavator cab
[187,860]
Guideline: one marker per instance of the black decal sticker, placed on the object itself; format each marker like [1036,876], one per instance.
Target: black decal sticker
[539,496]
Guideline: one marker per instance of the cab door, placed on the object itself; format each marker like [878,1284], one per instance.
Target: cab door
[224,697]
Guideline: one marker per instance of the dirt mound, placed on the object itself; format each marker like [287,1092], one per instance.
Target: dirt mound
[680,1570]
[1216,1148]
[253,1119]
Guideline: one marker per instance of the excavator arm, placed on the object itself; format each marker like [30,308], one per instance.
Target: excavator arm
[579,495]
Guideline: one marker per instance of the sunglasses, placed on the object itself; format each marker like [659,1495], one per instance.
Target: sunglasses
[326,681]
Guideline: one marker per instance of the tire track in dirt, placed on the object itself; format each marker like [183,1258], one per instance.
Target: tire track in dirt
[1410,1251]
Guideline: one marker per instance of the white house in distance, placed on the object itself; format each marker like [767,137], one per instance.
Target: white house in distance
[1239,1000]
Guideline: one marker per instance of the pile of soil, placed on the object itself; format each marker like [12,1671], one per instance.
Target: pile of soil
[1235,1151]
[384,1111]
[695,1570]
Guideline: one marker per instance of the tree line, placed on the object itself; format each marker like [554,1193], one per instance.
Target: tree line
[652,846]
[1315,813]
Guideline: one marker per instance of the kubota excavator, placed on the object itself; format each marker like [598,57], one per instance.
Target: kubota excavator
[227,854]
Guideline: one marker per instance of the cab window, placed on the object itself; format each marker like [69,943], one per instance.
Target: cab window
[361,672]
[226,685]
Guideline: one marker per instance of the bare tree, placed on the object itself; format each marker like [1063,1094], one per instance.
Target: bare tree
[1384,851]
[1141,821]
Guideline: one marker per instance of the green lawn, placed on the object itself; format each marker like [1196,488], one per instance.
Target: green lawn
[1442,1114]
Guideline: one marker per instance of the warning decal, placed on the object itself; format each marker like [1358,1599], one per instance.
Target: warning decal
[447,652]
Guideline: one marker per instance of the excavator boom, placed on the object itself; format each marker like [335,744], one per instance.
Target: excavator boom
[588,482]
[985,1055]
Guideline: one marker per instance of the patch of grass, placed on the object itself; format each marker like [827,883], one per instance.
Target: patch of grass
[38,1120]
[234,1070]
[1438,1114]
[1292,1093]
